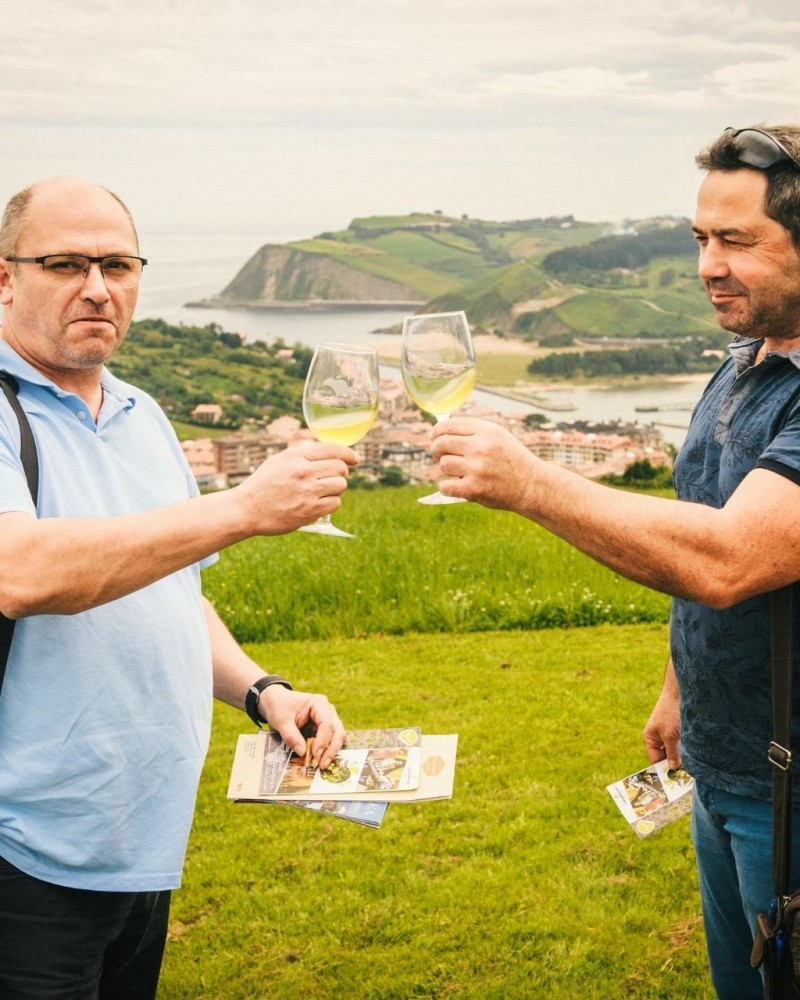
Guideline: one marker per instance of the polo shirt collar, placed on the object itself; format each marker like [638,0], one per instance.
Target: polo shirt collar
[11,362]
[743,350]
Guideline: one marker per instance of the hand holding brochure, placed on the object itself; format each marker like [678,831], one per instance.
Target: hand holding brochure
[653,797]
[374,766]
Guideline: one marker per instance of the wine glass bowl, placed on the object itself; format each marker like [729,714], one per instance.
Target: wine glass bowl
[437,361]
[340,403]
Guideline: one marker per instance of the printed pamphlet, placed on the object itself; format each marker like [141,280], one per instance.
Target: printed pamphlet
[653,797]
[375,767]
[365,813]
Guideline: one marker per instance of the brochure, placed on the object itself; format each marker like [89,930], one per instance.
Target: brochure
[369,814]
[374,766]
[653,797]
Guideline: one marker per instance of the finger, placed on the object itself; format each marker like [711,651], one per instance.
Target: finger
[291,736]
[453,488]
[453,444]
[328,741]
[454,425]
[317,451]
[673,753]
[331,487]
[453,465]
[329,470]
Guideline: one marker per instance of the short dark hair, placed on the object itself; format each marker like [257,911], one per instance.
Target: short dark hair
[782,198]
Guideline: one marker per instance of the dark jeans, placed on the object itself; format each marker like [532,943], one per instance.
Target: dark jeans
[77,944]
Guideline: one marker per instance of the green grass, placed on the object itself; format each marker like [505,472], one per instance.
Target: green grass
[398,221]
[420,247]
[414,568]
[384,265]
[527,884]
[503,369]
[596,313]
[536,244]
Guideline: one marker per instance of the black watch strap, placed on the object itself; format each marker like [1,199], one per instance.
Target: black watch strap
[251,698]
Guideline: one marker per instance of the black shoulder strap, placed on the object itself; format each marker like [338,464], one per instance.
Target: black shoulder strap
[30,464]
[780,750]
[27,451]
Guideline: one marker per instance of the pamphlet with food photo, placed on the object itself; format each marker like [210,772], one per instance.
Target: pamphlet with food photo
[374,765]
[653,797]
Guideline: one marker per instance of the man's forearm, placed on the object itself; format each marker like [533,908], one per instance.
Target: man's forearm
[716,557]
[68,565]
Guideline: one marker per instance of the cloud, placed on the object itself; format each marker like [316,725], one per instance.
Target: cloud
[269,109]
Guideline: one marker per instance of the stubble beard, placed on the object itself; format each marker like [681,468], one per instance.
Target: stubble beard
[776,320]
[94,348]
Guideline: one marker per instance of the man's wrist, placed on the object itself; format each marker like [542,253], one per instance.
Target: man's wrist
[254,691]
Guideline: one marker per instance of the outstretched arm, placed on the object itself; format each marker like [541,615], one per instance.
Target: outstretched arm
[715,557]
[67,565]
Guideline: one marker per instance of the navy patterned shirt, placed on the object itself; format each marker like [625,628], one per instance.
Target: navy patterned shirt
[748,417]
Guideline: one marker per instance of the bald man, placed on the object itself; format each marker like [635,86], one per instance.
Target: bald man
[106,708]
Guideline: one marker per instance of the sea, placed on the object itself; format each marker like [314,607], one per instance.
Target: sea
[185,268]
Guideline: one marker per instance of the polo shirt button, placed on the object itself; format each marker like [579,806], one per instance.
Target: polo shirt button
[81,415]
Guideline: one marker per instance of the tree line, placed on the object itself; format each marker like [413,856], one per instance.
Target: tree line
[628,252]
[685,357]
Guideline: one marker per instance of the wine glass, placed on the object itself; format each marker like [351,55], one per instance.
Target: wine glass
[340,403]
[438,364]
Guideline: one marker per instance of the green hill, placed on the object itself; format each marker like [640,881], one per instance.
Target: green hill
[534,278]
[182,366]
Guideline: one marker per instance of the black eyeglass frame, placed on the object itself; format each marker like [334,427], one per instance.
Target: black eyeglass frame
[78,256]
[761,159]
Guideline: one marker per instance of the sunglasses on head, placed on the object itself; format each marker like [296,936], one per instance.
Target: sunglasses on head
[759,149]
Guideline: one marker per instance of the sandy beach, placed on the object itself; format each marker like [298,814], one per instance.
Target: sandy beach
[484,343]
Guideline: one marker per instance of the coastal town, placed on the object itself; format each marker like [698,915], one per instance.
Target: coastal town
[399,439]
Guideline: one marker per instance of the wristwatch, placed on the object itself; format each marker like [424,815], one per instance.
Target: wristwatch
[251,698]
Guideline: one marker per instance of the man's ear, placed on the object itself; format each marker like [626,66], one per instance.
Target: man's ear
[6,283]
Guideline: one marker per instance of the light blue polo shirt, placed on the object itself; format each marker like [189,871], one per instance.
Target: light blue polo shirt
[104,715]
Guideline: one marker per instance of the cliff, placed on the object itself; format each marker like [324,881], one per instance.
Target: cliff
[277,275]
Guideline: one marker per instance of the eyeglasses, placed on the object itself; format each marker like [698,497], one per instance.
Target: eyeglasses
[760,149]
[119,270]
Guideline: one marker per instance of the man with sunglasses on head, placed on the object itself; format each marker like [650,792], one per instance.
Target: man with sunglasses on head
[731,536]
[106,706]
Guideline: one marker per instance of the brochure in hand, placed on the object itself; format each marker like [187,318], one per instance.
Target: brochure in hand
[653,797]
[374,768]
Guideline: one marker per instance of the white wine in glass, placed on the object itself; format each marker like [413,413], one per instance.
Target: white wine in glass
[438,364]
[340,403]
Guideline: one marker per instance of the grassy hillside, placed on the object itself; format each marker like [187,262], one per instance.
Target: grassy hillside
[535,278]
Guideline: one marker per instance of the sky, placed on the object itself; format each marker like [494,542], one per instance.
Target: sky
[292,117]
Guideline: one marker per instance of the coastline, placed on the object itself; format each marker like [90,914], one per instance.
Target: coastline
[487,345]
[303,305]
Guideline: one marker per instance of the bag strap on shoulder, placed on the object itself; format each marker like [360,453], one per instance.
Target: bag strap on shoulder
[780,749]
[30,463]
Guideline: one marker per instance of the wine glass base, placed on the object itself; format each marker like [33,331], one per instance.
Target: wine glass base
[325,528]
[439,498]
